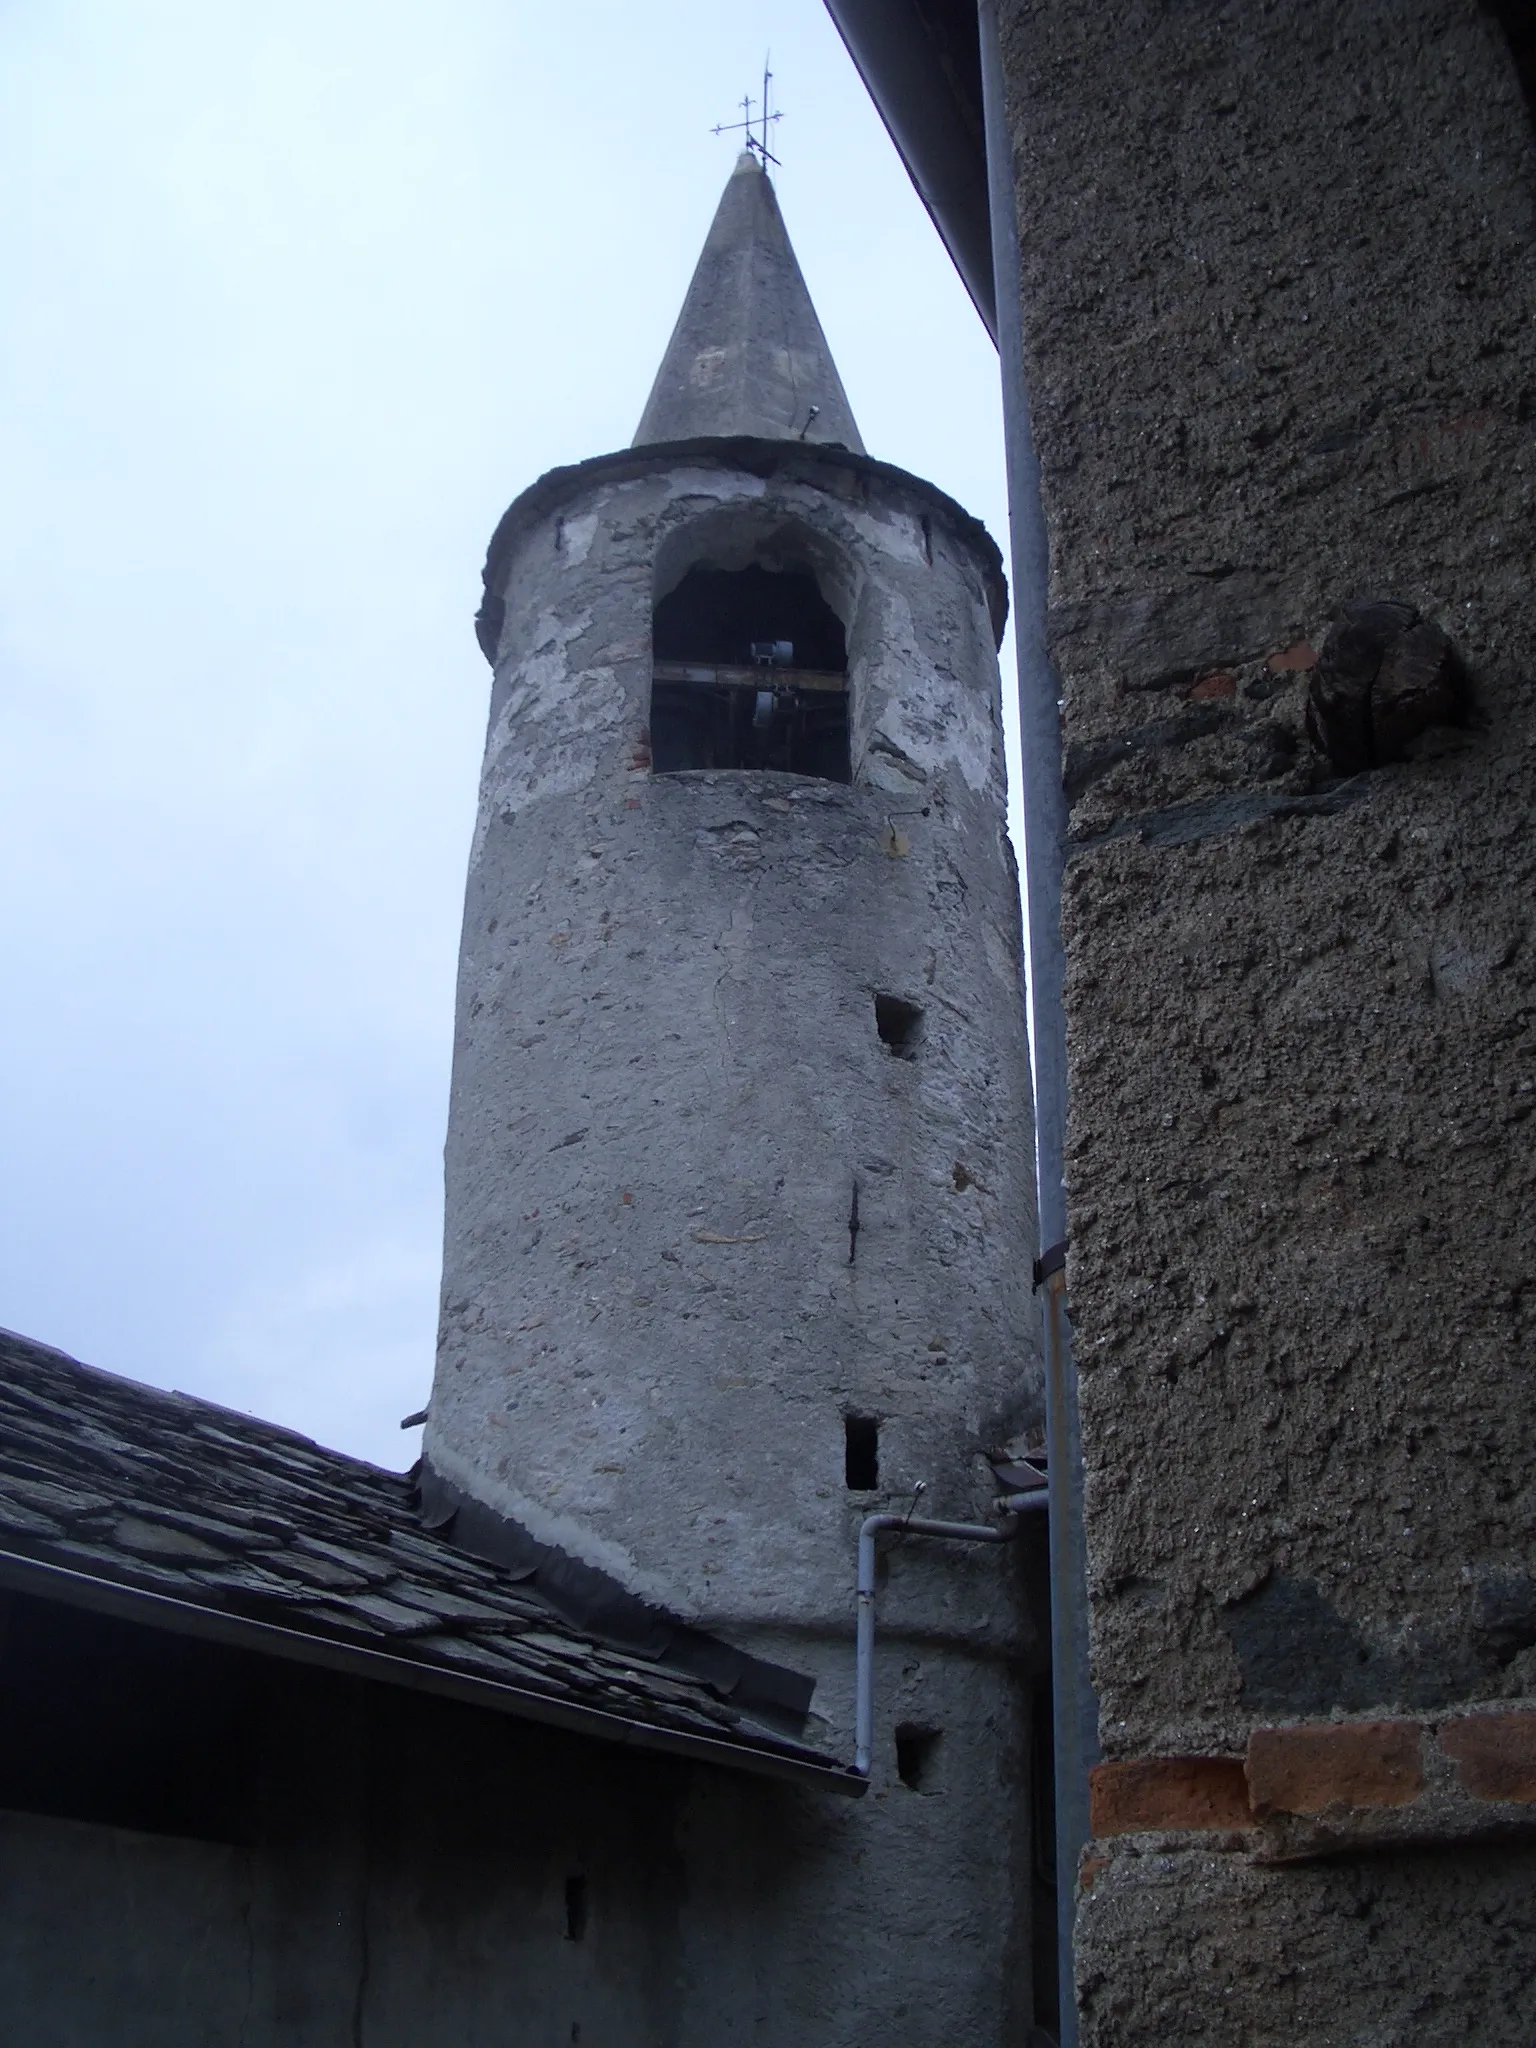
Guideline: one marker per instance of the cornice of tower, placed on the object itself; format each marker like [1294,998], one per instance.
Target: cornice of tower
[840,472]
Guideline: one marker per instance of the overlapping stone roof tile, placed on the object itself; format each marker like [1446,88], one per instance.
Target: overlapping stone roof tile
[206,1515]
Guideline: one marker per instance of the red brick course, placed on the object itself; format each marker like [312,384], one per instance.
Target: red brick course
[1167,1792]
[1299,656]
[1494,1754]
[1318,1767]
[1215,682]
[1345,1764]
[1090,1870]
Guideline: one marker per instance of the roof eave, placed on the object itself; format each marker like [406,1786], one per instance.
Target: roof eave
[39,1579]
[920,63]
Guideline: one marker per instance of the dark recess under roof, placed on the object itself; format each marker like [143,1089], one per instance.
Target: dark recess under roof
[170,1513]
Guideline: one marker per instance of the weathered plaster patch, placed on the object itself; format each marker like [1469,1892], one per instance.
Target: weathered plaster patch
[898,535]
[712,483]
[561,772]
[933,720]
[523,767]
[1001,958]
[889,767]
[578,537]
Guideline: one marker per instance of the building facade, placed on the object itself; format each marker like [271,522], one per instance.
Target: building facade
[739,1172]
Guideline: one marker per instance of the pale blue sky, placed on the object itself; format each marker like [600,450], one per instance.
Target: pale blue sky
[299,297]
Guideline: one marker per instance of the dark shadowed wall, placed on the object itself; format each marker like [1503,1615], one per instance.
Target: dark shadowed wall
[200,1849]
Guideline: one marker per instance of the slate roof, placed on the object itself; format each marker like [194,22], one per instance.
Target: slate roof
[184,1515]
[748,355]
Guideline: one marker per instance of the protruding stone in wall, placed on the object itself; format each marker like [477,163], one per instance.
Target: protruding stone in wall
[1385,675]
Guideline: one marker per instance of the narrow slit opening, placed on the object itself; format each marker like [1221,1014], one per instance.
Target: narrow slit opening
[861,1453]
[900,1025]
[575,1908]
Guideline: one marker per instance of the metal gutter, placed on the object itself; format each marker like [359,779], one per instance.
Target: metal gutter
[870,1530]
[42,1581]
[1075,1710]
[916,58]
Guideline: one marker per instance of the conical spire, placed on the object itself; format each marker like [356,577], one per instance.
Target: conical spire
[747,355]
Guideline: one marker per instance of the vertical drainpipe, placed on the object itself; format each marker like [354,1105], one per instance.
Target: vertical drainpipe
[1075,1711]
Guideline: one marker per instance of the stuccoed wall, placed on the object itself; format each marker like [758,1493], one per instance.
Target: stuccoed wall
[402,1879]
[1415,1952]
[668,1080]
[1278,297]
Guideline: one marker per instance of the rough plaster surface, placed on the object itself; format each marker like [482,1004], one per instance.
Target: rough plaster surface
[668,1085]
[1203,1950]
[1300,1164]
[1278,298]
[669,1082]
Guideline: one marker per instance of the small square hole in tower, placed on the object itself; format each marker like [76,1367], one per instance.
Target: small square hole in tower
[861,1453]
[900,1025]
[915,1748]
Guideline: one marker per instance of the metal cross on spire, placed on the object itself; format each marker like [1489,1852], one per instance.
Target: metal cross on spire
[757,142]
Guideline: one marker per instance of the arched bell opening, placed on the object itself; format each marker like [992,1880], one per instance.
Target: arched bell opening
[749,661]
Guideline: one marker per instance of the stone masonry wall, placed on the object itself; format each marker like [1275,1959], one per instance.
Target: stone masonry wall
[669,1082]
[1278,292]
[670,1092]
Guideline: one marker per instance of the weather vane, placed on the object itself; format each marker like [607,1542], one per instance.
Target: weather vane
[757,141]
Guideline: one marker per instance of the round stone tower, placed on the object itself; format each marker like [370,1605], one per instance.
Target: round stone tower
[739,1196]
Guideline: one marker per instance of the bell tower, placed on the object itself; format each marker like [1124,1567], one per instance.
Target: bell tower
[739,1181]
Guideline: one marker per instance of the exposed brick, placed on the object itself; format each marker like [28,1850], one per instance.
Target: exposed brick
[1090,1870]
[1167,1792]
[1299,656]
[1494,1754]
[1310,1768]
[1216,682]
